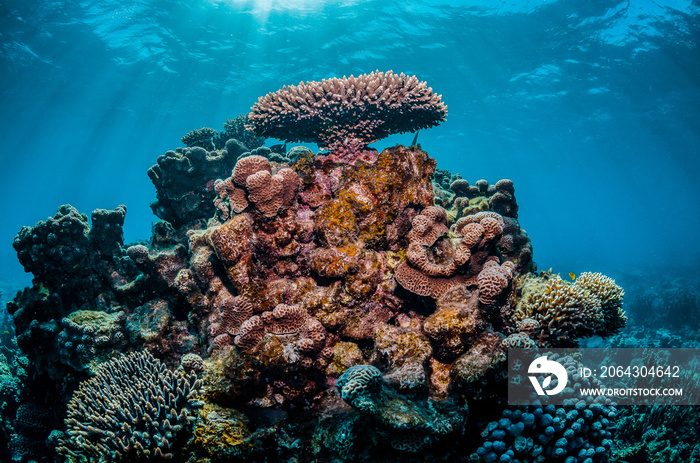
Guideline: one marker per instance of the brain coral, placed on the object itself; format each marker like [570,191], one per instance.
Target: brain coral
[437,262]
[340,111]
[130,410]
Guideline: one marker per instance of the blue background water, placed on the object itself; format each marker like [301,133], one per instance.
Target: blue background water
[592,108]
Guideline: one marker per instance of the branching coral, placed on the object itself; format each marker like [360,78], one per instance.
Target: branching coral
[610,296]
[132,409]
[566,312]
[338,112]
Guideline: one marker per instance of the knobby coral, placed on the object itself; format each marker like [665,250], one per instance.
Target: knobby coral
[348,110]
[132,409]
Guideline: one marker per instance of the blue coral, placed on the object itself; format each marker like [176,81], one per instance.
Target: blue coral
[578,431]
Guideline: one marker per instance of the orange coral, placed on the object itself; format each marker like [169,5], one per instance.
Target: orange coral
[231,240]
[455,323]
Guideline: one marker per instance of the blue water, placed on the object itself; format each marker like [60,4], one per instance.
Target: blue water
[592,108]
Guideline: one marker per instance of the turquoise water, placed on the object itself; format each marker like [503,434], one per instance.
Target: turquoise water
[590,107]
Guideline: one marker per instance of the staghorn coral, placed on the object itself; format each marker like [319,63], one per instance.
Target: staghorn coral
[132,409]
[337,112]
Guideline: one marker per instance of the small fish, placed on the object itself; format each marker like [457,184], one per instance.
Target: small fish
[572,276]
[5,332]
[280,149]
[415,138]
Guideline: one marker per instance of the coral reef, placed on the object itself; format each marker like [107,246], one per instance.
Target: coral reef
[350,305]
[337,112]
[184,181]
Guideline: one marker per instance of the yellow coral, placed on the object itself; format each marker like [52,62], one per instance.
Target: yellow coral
[222,431]
[565,312]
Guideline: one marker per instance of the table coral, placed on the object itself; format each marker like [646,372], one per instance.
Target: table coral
[335,112]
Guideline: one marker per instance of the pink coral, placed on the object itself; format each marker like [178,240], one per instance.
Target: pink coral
[419,283]
[348,110]
[247,166]
[267,191]
[428,226]
[493,280]
[251,333]
[491,222]
[285,319]
[432,254]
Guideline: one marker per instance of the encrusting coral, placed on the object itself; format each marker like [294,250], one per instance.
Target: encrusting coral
[281,278]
